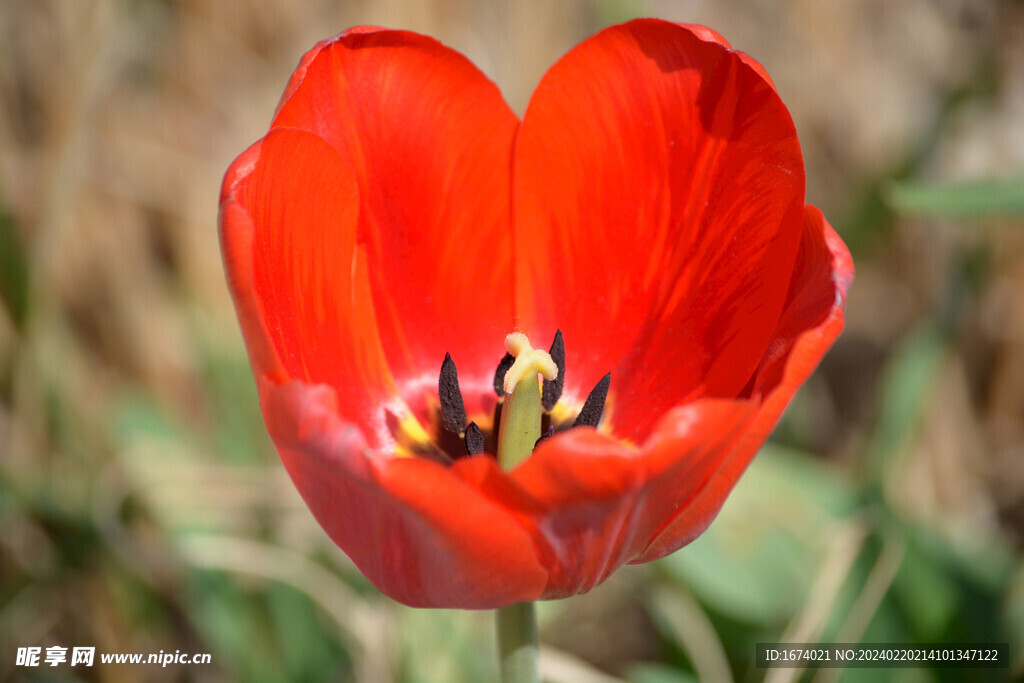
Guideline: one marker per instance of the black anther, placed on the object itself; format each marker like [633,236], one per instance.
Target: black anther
[553,387]
[453,412]
[474,439]
[590,415]
[499,375]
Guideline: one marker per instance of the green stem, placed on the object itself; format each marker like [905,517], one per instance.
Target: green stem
[517,624]
[517,643]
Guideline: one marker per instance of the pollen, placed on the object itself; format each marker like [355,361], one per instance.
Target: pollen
[528,360]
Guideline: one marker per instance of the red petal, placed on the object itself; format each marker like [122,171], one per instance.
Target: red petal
[658,192]
[237,234]
[811,322]
[603,502]
[417,530]
[430,140]
[712,36]
[288,224]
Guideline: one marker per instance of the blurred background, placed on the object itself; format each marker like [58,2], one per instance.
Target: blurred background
[143,508]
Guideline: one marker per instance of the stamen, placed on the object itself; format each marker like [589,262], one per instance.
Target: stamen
[474,439]
[499,375]
[552,389]
[453,412]
[528,361]
[593,407]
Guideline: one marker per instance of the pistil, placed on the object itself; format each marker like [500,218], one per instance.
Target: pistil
[521,413]
[528,362]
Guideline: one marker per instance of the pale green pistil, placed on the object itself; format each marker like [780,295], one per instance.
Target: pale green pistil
[521,413]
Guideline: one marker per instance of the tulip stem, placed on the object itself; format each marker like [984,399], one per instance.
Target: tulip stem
[517,643]
[517,624]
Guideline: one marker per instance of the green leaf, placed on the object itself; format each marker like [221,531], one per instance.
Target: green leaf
[308,652]
[13,270]
[137,415]
[1013,609]
[958,200]
[234,406]
[928,592]
[454,646]
[658,673]
[232,623]
[907,387]
[755,563]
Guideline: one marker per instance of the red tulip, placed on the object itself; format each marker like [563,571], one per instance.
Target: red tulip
[650,205]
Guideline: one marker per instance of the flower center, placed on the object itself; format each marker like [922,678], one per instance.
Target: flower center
[528,383]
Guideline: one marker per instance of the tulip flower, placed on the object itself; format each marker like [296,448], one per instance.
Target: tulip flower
[399,240]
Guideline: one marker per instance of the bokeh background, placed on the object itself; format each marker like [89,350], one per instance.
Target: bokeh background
[142,507]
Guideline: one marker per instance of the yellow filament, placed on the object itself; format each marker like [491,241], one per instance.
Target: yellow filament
[528,361]
[411,427]
[411,437]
